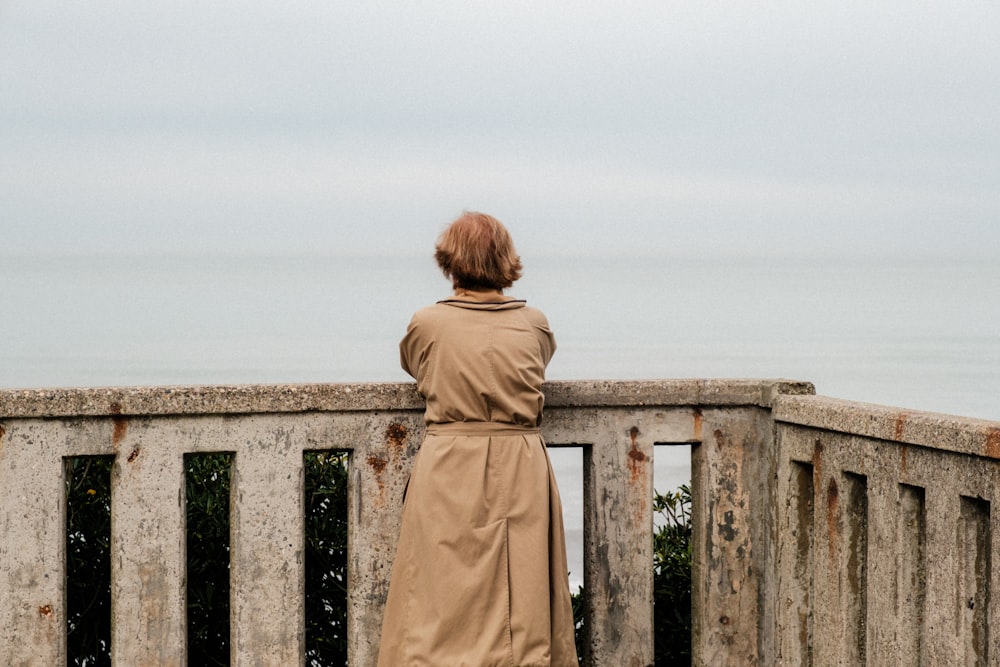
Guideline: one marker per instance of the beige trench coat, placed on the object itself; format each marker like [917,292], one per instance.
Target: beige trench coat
[480,575]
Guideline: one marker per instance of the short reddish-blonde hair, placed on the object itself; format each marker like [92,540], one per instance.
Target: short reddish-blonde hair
[476,251]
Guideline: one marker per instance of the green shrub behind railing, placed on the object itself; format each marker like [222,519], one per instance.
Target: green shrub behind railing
[207,519]
[88,531]
[88,560]
[671,582]
[326,558]
[672,578]
[88,576]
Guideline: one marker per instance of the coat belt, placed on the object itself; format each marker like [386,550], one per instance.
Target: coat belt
[480,428]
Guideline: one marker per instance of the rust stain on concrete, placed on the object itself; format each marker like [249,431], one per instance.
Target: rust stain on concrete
[120,429]
[636,459]
[45,611]
[900,426]
[636,462]
[699,421]
[817,460]
[991,450]
[395,436]
[634,453]
[833,518]
[134,455]
[378,464]
[120,425]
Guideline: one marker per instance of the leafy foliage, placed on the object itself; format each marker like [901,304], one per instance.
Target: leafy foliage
[88,560]
[326,558]
[207,487]
[88,532]
[207,481]
[671,582]
[580,624]
[672,578]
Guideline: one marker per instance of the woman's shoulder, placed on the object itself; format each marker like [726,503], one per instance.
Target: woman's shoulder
[442,312]
[535,316]
[436,312]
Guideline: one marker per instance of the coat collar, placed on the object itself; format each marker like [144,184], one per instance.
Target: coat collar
[488,300]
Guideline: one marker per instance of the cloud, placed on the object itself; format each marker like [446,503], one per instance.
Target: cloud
[601,127]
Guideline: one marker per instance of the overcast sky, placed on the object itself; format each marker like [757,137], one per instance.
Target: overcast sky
[689,128]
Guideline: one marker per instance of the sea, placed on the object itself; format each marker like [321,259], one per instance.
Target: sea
[921,334]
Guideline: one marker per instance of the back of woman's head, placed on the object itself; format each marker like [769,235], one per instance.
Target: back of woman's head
[476,251]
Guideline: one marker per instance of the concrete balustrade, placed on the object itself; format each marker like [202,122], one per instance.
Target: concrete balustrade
[889,532]
[825,532]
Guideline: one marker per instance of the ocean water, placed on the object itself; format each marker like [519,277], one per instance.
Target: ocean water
[922,335]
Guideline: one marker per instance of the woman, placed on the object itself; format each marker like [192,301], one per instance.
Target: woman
[480,575]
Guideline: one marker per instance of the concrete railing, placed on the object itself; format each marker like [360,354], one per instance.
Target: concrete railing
[825,532]
[886,537]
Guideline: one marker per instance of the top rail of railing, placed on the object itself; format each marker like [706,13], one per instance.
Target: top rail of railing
[346,397]
[962,435]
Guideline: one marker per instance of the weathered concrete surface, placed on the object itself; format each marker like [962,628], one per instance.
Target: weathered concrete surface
[32,551]
[147,545]
[268,429]
[891,561]
[245,399]
[204,400]
[977,437]
[268,543]
[638,393]
[732,541]
[826,532]
[379,472]
[618,520]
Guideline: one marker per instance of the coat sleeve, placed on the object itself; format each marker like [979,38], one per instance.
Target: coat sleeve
[546,339]
[411,348]
[548,343]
